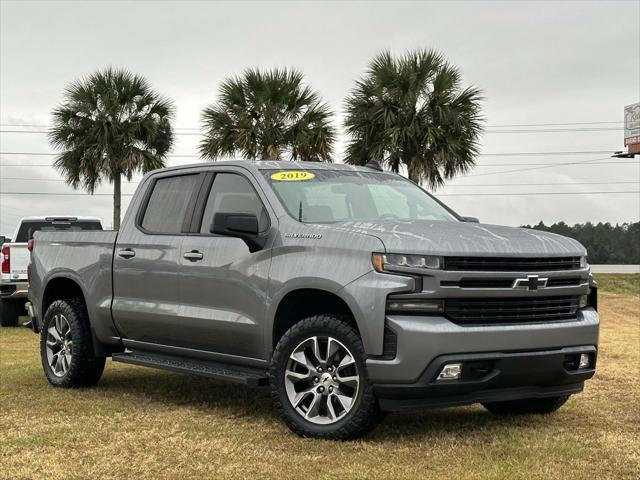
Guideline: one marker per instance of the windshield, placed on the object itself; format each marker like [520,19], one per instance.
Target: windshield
[325,196]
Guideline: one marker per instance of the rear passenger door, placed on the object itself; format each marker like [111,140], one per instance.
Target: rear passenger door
[222,284]
[146,299]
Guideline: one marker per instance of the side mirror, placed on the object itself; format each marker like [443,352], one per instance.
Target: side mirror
[239,225]
[470,219]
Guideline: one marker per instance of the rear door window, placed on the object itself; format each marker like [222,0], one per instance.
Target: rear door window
[168,203]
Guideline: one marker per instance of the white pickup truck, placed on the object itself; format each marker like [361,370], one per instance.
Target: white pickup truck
[15,260]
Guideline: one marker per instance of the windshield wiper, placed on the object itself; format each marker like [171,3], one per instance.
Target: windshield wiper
[300,212]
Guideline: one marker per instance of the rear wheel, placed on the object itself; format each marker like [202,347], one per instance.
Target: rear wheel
[66,349]
[318,380]
[9,312]
[527,406]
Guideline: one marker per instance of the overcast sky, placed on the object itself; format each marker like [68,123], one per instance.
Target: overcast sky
[537,63]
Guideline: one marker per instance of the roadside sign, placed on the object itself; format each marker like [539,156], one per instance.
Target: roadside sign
[632,124]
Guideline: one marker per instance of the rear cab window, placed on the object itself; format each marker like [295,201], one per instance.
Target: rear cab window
[29,227]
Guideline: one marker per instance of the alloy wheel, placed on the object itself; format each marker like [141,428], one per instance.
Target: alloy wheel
[59,345]
[322,380]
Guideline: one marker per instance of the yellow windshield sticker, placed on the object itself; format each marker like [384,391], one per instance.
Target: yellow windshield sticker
[292,176]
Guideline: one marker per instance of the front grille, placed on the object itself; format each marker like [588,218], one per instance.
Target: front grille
[564,282]
[491,311]
[508,264]
[506,282]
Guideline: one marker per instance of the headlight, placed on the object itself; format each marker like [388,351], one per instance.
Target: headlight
[397,262]
[583,262]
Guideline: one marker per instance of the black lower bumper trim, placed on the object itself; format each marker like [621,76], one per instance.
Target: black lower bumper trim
[483,396]
[491,377]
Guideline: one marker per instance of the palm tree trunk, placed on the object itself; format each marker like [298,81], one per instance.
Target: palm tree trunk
[116,202]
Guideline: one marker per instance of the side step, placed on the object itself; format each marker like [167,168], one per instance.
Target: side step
[221,371]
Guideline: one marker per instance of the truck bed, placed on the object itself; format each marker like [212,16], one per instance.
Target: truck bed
[84,256]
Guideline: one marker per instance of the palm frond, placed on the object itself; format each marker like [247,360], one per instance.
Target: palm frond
[411,110]
[110,123]
[267,114]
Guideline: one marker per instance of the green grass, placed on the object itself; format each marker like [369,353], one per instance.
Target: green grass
[143,423]
[628,284]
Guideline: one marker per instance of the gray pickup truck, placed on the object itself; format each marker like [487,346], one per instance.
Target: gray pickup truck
[348,290]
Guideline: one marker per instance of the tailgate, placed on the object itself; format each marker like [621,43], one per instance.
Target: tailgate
[20,256]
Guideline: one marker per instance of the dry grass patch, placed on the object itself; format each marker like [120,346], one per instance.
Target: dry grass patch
[142,423]
[628,284]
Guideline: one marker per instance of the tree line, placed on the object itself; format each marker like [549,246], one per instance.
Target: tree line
[606,243]
[409,113]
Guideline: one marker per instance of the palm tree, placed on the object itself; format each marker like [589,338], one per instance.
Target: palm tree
[411,112]
[109,125]
[267,115]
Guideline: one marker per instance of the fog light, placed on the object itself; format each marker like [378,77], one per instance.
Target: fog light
[584,361]
[451,371]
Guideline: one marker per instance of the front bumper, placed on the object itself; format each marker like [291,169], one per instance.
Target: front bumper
[523,361]
[490,377]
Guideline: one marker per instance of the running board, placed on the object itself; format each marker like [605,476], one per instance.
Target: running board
[221,371]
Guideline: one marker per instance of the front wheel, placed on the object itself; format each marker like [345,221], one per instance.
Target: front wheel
[527,406]
[66,349]
[319,382]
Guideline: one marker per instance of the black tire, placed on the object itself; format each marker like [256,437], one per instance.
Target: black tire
[364,414]
[527,406]
[85,369]
[9,313]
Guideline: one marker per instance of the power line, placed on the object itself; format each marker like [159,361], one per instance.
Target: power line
[489,131]
[33,125]
[55,194]
[583,163]
[555,130]
[35,165]
[62,180]
[439,195]
[504,125]
[535,184]
[601,162]
[498,154]
[552,124]
[44,131]
[51,154]
[26,179]
[531,193]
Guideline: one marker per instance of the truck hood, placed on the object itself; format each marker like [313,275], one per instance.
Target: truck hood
[466,239]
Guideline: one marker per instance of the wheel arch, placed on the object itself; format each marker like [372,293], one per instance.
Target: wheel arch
[60,287]
[300,303]
[64,285]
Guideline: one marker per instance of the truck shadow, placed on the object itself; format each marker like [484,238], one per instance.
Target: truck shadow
[213,397]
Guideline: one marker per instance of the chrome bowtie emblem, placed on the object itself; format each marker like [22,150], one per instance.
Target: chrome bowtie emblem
[532,282]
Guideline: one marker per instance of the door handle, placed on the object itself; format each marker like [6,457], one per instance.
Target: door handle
[193,255]
[126,253]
